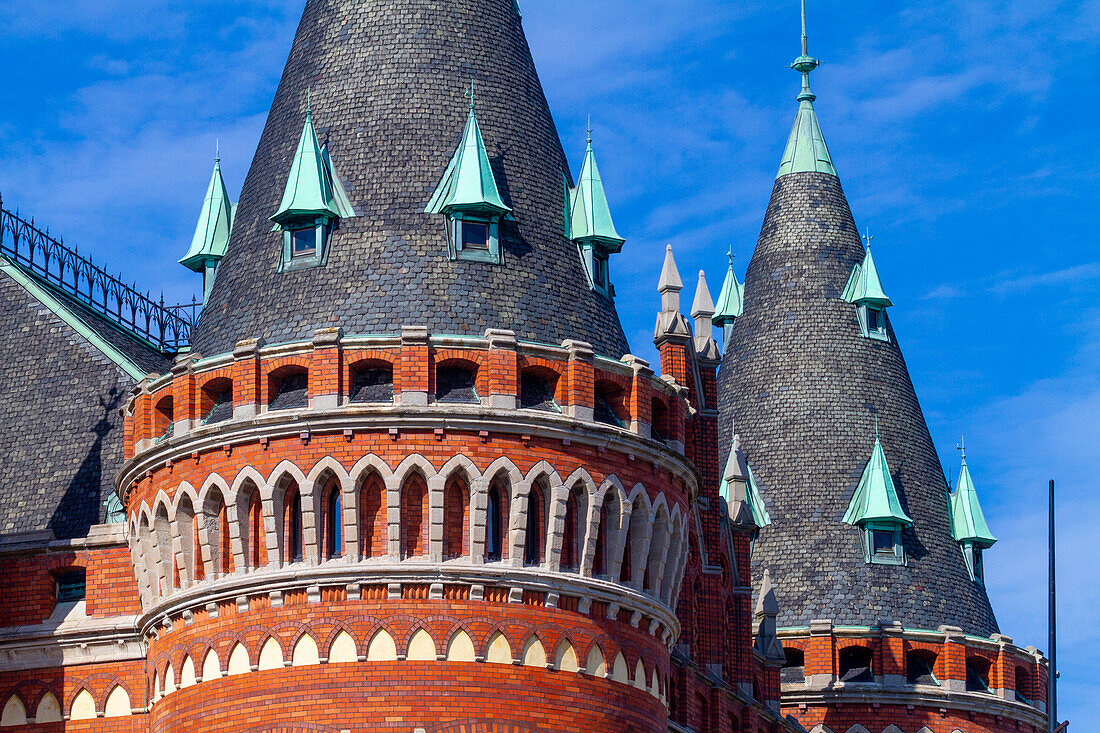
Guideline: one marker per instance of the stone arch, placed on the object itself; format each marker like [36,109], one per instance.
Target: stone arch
[14,713]
[857,728]
[415,518]
[238,661]
[607,518]
[82,706]
[373,513]
[892,729]
[48,710]
[498,650]
[658,548]
[162,532]
[596,664]
[532,523]
[534,653]
[118,703]
[250,548]
[457,504]
[565,658]
[290,506]
[674,558]
[543,470]
[381,647]
[271,655]
[305,652]
[187,672]
[421,647]
[342,649]
[639,675]
[570,539]
[493,513]
[211,666]
[328,480]
[460,648]
[636,531]
[149,553]
[213,527]
[169,679]
[184,536]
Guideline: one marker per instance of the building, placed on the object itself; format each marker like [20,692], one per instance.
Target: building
[403,473]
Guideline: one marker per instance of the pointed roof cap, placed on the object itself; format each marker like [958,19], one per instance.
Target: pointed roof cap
[312,186]
[806,149]
[731,300]
[876,499]
[702,305]
[468,183]
[215,222]
[589,212]
[864,286]
[967,519]
[738,472]
[670,276]
[766,603]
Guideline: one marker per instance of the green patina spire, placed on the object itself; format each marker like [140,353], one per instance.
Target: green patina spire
[731,300]
[876,499]
[967,520]
[864,286]
[589,213]
[806,150]
[215,223]
[737,479]
[312,188]
[468,184]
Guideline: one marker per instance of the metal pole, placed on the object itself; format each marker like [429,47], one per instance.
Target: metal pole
[1052,629]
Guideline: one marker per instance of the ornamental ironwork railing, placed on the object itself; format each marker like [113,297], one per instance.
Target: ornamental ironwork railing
[167,327]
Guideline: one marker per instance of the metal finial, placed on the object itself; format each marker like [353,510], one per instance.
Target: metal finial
[309,101]
[805,63]
[470,92]
[867,237]
[961,446]
[876,427]
[589,129]
[805,38]
[218,150]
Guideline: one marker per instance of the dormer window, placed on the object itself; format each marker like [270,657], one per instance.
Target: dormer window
[313,203]
[864,290]
[875,508]
[588,223]
[968,525]
[469,200]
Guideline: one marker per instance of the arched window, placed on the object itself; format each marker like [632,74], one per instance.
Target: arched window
[293,524]
[576,515]
[794,668]
[456,517]
[334,540]
[977,674]
[609,519]
[496,511]
[257,548]
[372,516]
[1023,686]
[534,540]
[635,534]
[288,388]
[920,665]
[414,516]
[855,664]
[163,419]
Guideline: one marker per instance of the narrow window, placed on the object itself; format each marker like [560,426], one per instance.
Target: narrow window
[71,585]
[372,384]
[873,322]
[919,667]
[977,675]
[333,533]
[532,549]
[855,664]
[456,517]
[456,385]
[475,235]
[294,527]
[493,526]
[794,668]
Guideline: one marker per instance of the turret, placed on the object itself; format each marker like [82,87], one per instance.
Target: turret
[968,523]
[589,224]
[212,231]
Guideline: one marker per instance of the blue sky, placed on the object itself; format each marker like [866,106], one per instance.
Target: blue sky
[964,132]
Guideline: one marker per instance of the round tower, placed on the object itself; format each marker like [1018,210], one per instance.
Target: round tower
[883,612]
[407,479]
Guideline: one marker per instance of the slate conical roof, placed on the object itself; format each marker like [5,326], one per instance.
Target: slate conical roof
[803,385]
[386,81]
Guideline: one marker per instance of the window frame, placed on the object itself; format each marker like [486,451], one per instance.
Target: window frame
[290,260]
[597,266]
[863,312]
[491,253]
[871,556]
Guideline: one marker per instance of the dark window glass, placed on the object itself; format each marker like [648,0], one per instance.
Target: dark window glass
[492,527]
[303,242]
[333,530]
[600,276]
[874,319]
[855,664]
[919,666]
[475,235]
[535,393]
[531,549]
[292,392]
[456,384]
[372,385]
[295,539]
[71,586]
[884,541]
[794,669]
[604,412]
[979,570]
